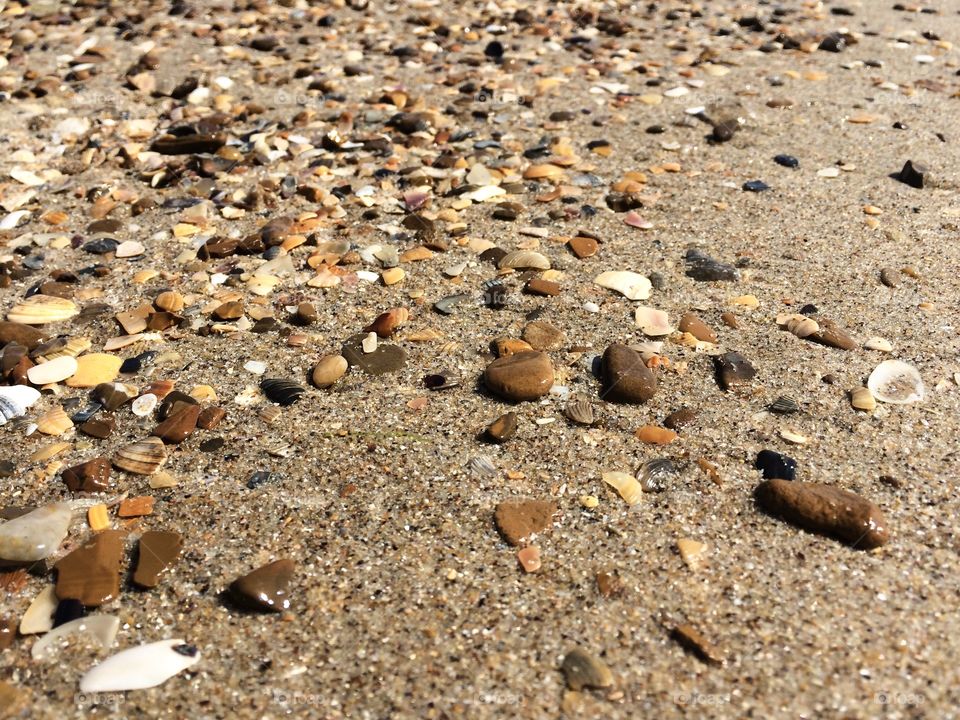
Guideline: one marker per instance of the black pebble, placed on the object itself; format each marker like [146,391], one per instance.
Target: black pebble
[788,161]
[755,186]
[775,466]
[67,610]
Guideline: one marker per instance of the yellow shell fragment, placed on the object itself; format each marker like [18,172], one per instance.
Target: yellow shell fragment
[625,484]
[93,369]
[692,552]
[98,518]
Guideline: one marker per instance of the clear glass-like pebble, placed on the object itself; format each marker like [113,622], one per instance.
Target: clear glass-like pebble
[896,382]
[35,535]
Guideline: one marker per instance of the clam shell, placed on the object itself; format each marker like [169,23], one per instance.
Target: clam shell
[140,667]
[15,400]
[655,474]
[52,372]
[54,422]
[143,457]
[580,411]
[482,466]
[524,259]
[42,309]
[652,322]
[862,399]
[631,285]
[282,391]
[625,484]
[800,325]
[784,405]
[896,382]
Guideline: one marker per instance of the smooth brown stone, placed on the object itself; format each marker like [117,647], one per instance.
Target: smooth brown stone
[832,336]
[58,289]
[733,370]
[91,573]
[188,144]
[99,427]
[8,632]
[517,520]
[695,326]
[174,403]
[232,310]
[210,417]
[609,583]
[538,286]
[264,589]
[509,346]
[583,247]
[583,670]
[91,476]
[328,370]
[306,313]
[691,639]
[523,376]
[179,426]
[626,378]
[730,320]
[679,419]
[157,551]
[136,506]
[503,428]
[543,336]
[20,333]
[825,509]
[111,395]
[386,324]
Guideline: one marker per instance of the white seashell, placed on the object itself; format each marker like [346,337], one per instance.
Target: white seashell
[878,343]
[896,382]
[625,484]
[631,285]
[15,400]
[39,616]
[102,628]
[257,367]
[140,667]
[144,405]
[369,343]
[524,259]
[792,437]
[42,309]
[53,371]
[129,248]
[652,322]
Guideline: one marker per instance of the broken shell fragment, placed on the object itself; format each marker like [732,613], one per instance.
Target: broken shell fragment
[140,667]
[524,260]
[652,322]
[15,400]
[626,484]
[631,285]
[896,382]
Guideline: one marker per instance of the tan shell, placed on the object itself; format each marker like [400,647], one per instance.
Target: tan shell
[55,422]
[524,259]
[73,347]
[95,368]
[800,325]
[625,484]
[652,322]
[543,170]
[42,309]
[169,301]
[580,411]
[143,457]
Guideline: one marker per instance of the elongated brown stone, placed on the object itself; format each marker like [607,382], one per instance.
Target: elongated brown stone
[523,376]
[157,551]
[91,573]
[179,426]
[20,333]
[825,509]
[264,589]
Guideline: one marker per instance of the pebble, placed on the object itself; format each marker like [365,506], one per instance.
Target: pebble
[517,520]
[788,161]
[704,268]
[681,418]
[521,376]
[692,324]
[529,558]
[626,378]
[157,552]
[827,510]
[831,335]
[913,174]
[774,466]
[583,247]
[91,476]
[328,370]
[137,668]
[691,639]
[539,286]
[733,370]
[21,334]
[503,428]
[179,426]
[653,435]
[34,535]
[540,335]
[91,573]
[583,670]
[264,589]
[386,358]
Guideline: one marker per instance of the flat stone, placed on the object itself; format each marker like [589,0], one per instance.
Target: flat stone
[385,359]
[825,509]
[539,286]
[99,427]
[91,573]
[733,370]
[543,336]
[179,426]
[583,247]
[583,670]
[518,519]
[210,417]
[264,589]
[90,476]
[692,324]
[704,268]
[522,376]
[503,428]
[34,535]
[157,551]
[626,378]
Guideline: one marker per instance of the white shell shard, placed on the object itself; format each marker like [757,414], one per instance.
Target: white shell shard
[896,382]
[102,628]
[631,285]
[626,484]
[15,400]
[144,405]
[53,371]
[652,322]
[34,536]
[140,667]
[39,616]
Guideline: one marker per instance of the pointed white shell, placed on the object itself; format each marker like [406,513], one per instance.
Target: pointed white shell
[896,382]
[631,285]
[652,322]
[39,616]
[102,628]
[140,667]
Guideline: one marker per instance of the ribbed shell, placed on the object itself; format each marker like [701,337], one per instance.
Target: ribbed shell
[143,457]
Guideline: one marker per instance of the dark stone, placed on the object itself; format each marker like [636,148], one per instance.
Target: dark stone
[913,174]
[774,466]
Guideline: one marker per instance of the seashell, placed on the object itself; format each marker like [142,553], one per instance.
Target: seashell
[113,395]
[863,399]
[15,400]
[143,457]
[800,325]
[270,413]
[71,346]
[54,422]
[481,466]
[52,372]
[446,305]
[784,405]
[631,285]
[443,380]
[369,343]
[144,405]
[652,322]
[387,323]
[654,475]
[42,309]
[879,344]
[580,411]
[523,260]
[542,171]
[39,615]
[896,382]
[102,628]
[281,391]
[793,437]
[625,484]
[94,369]
[140,667]
[169,301]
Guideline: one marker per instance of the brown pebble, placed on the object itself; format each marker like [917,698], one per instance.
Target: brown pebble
[518,519]
[20,333]
[180,425]
[509,346]
[386,324]
[232,310]
[210,417]
[730,320]
[328,370]
[691,639]
[825,509]
[90,476]
[543,336]
[583,247]
[91,573]
[503,428]
[157,552]
[695,326]
[679,419]
[539,286]
[264,589]
[889,277]
[831,335]
[626,378]
[733,370]
[583,670]
[306,313]
[609,583]
[99,427]
[523,376]
[8,632]
[136,507]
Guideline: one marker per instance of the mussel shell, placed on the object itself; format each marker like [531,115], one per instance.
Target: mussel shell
[282,391]
[784,405]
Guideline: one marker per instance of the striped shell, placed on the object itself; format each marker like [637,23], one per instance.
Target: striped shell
[625,484]
[580,411]
[42,309]
[15,400]
[54,422]
[281,391]
[524,259]
[143,457]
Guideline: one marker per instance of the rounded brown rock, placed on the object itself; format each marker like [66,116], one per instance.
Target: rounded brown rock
[698,328]
[626,378]
[523,376]
[328,370]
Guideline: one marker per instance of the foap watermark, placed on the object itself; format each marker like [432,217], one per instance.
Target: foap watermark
[490,697]
[293,699]
[706,699]
[899,698]
[98,699]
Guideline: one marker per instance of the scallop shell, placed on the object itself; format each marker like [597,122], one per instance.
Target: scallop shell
[784,405]
[580,411]
[54,422]
[524,259]
[652,322]
[143,457]
[482,466]
[631,285]
[896,382]
[72,347]
[42,309]
[15,400]
[625,484]
[282,391]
